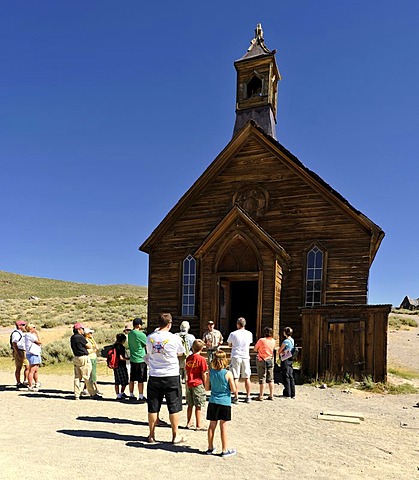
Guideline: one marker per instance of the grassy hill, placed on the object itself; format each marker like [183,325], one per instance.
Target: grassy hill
[62,303]
[17,286]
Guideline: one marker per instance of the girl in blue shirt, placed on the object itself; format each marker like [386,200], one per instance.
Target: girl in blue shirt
[221,383]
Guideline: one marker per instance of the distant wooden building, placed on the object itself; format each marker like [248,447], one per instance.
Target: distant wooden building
[410,303]
[258,235]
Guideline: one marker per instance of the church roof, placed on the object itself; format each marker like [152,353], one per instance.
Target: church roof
[251,128]
[257,46]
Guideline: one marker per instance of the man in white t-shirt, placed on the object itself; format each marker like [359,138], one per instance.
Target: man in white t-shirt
[240,341]
[163,349]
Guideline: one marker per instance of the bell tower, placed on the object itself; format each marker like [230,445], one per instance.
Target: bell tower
[257,82]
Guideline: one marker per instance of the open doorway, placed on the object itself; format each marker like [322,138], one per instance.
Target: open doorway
[244,303]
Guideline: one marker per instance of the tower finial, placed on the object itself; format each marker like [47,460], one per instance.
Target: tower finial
[259,31]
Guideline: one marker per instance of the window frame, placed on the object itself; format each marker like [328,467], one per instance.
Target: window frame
[311,274]
[188,286]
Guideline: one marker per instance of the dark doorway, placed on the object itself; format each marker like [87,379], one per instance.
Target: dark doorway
[244,303]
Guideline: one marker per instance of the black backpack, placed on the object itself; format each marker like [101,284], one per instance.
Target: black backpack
[11,335]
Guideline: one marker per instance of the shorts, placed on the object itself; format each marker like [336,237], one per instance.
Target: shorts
[121,375]
[138,372]
[196,396]
[19,358]
[164,387]
[33,359]
[217,412]
[265,373]
[240,367]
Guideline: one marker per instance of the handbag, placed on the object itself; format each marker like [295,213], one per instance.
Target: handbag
[285,355]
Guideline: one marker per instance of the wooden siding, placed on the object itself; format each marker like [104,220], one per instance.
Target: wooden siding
[341,340]
[298,214]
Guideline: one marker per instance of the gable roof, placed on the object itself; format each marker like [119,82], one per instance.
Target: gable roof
[251,128]
[237,213]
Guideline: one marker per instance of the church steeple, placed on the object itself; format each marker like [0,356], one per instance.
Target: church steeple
[257,80]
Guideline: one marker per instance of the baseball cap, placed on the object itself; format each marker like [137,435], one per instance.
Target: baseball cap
[210,322]
[137,321]
[20,323]
[88,330]
[78,325]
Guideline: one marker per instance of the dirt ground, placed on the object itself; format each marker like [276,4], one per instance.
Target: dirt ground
[48,435]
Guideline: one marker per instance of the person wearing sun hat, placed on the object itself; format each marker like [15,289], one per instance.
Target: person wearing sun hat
[92,349]
[82,363]
[17,342]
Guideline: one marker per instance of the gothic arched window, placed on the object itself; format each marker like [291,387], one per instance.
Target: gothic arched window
[188,286]
[314,277]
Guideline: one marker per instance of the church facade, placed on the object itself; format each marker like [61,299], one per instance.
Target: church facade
[258,235]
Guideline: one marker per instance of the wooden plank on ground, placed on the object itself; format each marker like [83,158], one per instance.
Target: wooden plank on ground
[335,418]
[344,414]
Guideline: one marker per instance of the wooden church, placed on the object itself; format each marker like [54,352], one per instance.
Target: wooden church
[259,235]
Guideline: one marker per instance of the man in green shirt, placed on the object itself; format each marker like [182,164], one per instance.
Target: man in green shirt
[136,343]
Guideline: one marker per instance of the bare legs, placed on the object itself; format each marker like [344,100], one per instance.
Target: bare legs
[152,422]
[197,417]
[223,434]
[33,375]
[247,386]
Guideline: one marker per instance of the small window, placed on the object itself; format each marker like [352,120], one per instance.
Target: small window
[314,277]
[188,286]
[254,87]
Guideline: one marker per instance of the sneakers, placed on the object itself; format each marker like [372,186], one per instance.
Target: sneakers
[84,393]
[132,399]
[33,389]
[37,385]
[21,385]
[142,400]
[247,400]
[235,400]
[211,451]
[229,453]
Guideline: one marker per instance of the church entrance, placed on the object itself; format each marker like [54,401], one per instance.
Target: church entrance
[244,302]
[238,298]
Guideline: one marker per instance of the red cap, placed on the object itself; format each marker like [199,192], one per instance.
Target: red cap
[78,325]
[20,322]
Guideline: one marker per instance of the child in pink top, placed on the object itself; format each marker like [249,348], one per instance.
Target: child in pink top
[265,362]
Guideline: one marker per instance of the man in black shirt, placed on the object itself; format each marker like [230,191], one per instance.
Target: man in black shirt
[82,363]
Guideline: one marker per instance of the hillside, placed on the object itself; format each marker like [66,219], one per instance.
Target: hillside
[56,302]
[14,286]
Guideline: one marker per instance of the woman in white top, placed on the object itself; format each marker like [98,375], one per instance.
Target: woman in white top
[33,354]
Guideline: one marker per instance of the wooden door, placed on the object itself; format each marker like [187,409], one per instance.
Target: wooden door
[344,349]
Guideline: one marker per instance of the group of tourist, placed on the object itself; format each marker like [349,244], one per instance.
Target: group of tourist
[164,360]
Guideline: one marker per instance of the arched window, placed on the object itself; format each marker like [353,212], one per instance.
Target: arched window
[254,87]
[188,286]
[314,277]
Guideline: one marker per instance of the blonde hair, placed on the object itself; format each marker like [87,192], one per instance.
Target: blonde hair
[219,360]
[197,345]
[29,326]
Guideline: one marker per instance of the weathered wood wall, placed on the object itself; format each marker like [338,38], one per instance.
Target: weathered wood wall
[341,340]
[298,215]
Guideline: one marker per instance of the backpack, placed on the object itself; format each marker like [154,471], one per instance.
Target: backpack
[10,340]
[185,344]
[112,358]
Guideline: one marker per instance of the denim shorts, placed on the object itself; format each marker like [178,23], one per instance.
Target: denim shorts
[33,359]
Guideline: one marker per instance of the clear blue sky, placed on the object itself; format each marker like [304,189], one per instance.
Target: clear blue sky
[109,111]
